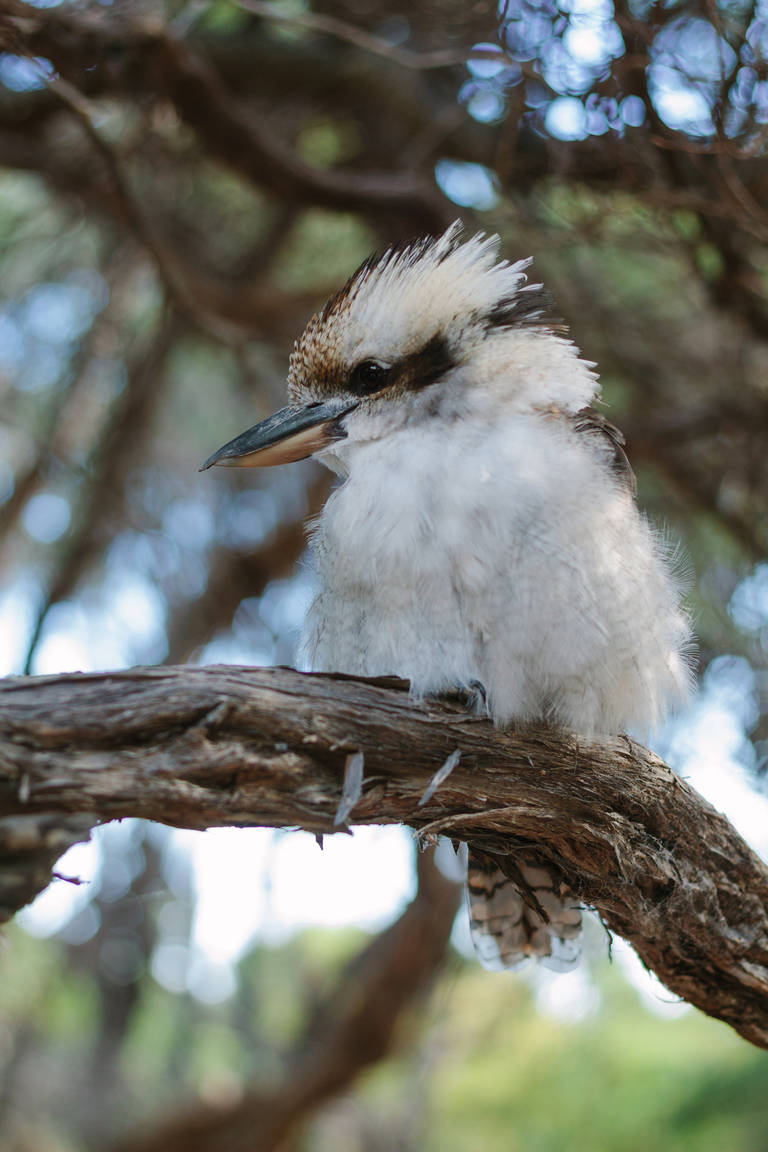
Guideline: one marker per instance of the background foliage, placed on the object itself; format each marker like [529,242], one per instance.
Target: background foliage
[181,185]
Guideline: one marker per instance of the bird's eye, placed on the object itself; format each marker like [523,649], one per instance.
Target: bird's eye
[369,376]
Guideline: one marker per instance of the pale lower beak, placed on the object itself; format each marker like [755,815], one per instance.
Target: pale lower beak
[291,434]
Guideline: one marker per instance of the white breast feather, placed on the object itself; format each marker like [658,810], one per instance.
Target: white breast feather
[503,555]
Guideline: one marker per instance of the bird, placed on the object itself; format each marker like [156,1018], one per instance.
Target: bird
[484,536]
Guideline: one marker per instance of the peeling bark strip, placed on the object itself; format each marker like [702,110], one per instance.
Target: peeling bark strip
[195,747]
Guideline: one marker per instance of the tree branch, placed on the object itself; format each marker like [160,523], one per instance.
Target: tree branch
[195,747]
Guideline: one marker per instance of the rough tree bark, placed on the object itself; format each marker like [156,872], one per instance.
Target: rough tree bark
[195,747]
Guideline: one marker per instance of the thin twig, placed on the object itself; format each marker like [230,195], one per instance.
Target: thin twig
[351,34]
[172,276]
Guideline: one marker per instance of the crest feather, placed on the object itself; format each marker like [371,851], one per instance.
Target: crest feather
[436,281]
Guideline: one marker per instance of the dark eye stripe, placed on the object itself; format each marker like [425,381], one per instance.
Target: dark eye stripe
[426,366]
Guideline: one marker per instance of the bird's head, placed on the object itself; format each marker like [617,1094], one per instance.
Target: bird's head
[434,327]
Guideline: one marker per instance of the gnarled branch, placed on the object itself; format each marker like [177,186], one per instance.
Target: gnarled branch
[195,747]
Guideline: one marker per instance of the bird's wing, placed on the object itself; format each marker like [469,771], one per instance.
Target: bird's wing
[591,422]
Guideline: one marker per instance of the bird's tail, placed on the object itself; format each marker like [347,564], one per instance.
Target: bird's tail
[518,908]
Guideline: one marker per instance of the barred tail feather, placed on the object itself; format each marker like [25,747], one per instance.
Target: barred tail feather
[513,920]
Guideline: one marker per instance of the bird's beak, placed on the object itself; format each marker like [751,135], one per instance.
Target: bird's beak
[291,434]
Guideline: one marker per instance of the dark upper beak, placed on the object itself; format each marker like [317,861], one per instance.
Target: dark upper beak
[291,434]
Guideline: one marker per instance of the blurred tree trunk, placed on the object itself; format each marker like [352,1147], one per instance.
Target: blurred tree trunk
[361,1020]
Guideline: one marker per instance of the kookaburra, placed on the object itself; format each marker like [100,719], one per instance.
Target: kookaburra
[485,531]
